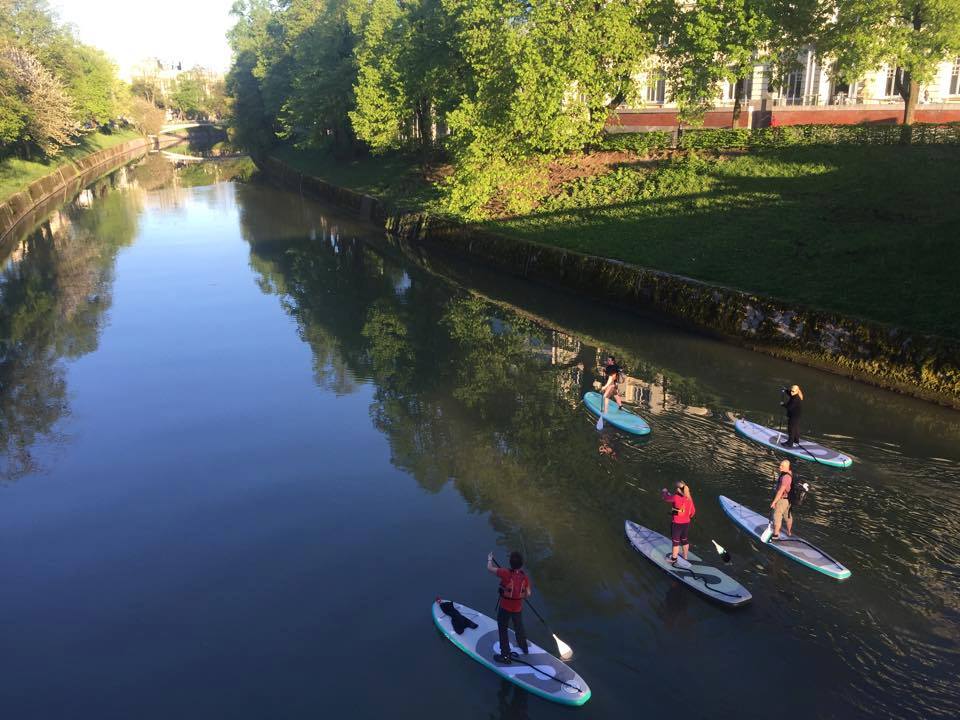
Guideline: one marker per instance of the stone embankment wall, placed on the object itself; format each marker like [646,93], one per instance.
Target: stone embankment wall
[924,366]
[68,179]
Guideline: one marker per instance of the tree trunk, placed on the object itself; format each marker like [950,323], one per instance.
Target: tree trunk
[910,92]
[738,99]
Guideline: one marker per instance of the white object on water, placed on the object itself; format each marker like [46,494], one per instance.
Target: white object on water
[691,572]
[792,546]
[806,450]
[719,547]
[482,643]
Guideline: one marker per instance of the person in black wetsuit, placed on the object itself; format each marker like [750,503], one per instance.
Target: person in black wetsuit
[794,407]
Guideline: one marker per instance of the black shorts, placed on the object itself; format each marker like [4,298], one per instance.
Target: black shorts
[679,533]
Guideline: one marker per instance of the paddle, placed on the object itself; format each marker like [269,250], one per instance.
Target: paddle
[600,419]
[724,555]
[566,652]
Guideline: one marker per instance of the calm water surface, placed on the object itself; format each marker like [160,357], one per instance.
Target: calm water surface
[246,441]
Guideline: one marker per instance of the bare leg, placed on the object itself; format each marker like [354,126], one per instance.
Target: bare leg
[789,525]
[686,549]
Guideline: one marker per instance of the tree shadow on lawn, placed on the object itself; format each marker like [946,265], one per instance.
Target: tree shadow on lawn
[872,235]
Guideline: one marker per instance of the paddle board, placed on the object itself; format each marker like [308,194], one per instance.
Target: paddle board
[542,679]
[807,449]
[702,578]
[792,546]
[619,418]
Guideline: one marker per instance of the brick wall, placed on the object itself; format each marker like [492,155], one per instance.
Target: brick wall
[666,118]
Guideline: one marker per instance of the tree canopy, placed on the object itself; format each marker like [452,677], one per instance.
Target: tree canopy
[501,85]
[52,87]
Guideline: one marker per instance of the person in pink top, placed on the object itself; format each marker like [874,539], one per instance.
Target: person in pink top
[682,511]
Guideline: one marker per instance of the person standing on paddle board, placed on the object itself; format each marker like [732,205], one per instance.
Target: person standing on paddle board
[611,388]
[780,505]
[514,589]
[682,511]
[794,407]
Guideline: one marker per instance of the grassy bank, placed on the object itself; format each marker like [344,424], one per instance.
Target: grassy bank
[870,232]
[17,174]
[396,179]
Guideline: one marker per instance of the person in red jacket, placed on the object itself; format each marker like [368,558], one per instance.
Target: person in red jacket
[514,589]
[682,511]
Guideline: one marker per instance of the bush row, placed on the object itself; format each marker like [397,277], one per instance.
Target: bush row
[798,135]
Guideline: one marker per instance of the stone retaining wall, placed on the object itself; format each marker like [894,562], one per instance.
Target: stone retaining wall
[924,366]
[68,179]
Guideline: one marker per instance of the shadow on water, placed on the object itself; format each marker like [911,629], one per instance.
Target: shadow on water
[478,383]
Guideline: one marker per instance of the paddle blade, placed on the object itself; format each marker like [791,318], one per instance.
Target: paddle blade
[767,534]
[724,555]
[565,651]
[600,423]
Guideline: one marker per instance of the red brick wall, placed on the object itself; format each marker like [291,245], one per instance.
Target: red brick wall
[666,118]
[849,115]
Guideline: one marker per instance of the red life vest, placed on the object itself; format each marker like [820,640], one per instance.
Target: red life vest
[515,586]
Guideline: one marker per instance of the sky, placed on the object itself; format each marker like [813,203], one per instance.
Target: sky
[188,31]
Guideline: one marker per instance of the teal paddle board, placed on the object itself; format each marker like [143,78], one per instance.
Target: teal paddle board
[806,450]
[537,672]
[793,547]
[621,419]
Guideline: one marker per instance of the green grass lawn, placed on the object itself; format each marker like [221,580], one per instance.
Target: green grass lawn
[393,178]
[872,232]
[17,174]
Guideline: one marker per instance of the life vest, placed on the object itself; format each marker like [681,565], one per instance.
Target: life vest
[515,586]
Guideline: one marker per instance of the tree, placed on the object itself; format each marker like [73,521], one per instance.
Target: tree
[48,122]
[146,116]
[913,36]
[12,109]
[189,97]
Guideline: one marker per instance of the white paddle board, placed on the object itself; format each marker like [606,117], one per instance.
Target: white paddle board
[792,546]
[806,450]
[619,418]
[538,672]
[704,579]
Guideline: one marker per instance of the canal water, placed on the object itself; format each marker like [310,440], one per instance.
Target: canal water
[246,441]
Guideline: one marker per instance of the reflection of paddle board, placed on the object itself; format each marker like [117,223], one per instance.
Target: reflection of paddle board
[806,451]
[621,419]
[790,545]
[702,578]
[482,643]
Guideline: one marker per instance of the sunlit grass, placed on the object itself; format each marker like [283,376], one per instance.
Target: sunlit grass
[17,174]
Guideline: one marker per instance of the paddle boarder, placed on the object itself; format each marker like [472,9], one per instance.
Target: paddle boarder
[682,511]
[611,388]
[780,505]
[514,589]
[794,407]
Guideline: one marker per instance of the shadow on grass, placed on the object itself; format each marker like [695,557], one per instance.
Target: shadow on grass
[870,232]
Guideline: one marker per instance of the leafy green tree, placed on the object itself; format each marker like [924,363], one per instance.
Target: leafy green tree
[189,97]
[48,120]
[253,125]
[914,36]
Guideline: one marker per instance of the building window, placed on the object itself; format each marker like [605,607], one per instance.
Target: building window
[793,87]
[890,88]
[955,78]
[656,87]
